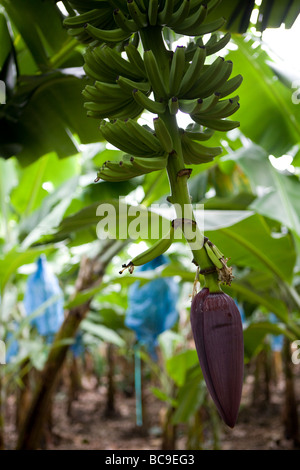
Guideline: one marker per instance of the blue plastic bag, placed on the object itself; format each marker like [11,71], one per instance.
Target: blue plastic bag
[276,340]
[152,307]
[12,348]
[78,348]
[42,286]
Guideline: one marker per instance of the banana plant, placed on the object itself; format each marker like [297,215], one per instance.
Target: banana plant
[133,71]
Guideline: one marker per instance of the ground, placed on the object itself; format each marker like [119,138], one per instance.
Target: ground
[259,425]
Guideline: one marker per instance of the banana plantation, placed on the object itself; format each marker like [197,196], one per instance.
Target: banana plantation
[149,226]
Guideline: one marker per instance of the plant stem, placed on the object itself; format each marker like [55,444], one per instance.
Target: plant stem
[152,39]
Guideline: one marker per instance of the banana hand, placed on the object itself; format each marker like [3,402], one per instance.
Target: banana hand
[159,248]
[163,134]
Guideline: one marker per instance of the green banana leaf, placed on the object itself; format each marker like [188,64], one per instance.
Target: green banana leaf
[271,14]
[102,332]
[190,396]
[250,243]
[5,41]
[14,259]
[32,191]
[178,365]
[267,114]
[32,19]
[280,199]
[255,333]
[42,116]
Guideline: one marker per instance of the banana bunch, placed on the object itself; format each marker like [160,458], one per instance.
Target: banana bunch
[114,21]
[157,249]
[130,167]
[128,81]
[131,137]
[198,89]
[116,79]
[98,14]
[145,151]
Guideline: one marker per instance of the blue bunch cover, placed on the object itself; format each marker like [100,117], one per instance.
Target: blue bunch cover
[12,347]
[78,348]
[276,340]
[41,286]
[152,307]
[242,312]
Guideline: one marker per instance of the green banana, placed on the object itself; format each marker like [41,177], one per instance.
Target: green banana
[195,132]
[222,125]
[80,34]
[217,81]
[154,75]
[89,96]
[116,4]
[223,109]
[195,153]
[116,172]
[142,5]
[153,11]
[208,103]
[212,4]
[134,40]
[130,167]
[138,17]
[111,92]
[191,49]
[230,86]
[107,35]
[193,21]
[192,73]
[124,23]
[173,105]
[195,4]
[153,106]
[163,134]
[157,249]
[120,135]
[119,138]
[95,74]
[117,63]
[81,20]
[166,13]
[200,29]
[180,14]
[96,69]
[213,45]
[135,59]
[149,164]
[93,94]
[106,108]
[190,106]
[144,136]
[125,110]
[213,256]
[130,85]
[177,70]
[214,73]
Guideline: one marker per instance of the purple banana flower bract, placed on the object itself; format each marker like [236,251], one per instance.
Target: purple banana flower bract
[218,334]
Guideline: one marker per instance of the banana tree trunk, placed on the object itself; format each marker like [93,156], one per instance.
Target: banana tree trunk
[74,384]
[169,435]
